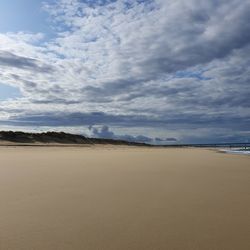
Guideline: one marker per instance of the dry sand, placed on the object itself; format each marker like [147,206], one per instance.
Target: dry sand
[108,198]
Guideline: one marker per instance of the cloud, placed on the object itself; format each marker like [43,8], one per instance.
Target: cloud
[173,35]
[11,60]
[105,132]
[173,120]
[164,65]
[166,139]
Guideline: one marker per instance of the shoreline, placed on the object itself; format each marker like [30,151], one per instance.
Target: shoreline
[112,146]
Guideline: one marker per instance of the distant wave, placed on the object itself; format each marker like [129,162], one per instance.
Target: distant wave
[236,151]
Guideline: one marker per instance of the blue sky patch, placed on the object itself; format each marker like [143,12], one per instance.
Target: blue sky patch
[8,92]
[191,74]
[28,16]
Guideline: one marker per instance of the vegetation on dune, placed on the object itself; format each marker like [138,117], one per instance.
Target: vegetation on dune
[58,137]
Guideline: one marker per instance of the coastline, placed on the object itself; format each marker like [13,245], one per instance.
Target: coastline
[235,151]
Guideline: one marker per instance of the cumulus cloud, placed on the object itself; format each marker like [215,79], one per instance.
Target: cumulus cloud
[166,139]
[105,132]
[162,64]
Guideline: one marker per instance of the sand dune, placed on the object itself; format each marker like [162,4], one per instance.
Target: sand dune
[123,198]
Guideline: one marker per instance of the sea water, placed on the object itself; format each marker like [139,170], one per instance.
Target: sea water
[241,151]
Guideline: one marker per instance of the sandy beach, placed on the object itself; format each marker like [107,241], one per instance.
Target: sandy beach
[122,198]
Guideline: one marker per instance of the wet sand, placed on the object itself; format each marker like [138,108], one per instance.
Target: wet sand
[115,198]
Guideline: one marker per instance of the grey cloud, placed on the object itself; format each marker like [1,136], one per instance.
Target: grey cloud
[105,132]
[12,60]
[215,137]
[171,120]
[54,100]
[183,39]
[171,139]
[157,139]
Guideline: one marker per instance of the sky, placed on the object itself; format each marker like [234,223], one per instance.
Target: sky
[156,71]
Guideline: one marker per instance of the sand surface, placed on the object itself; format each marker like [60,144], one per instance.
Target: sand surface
[107,198]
